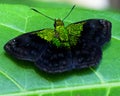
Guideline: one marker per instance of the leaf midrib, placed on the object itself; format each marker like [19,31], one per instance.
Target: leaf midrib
[105,85]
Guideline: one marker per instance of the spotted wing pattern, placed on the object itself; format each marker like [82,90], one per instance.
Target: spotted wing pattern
[97,31]
[86,54]
[26,47]
[47,57]
[88,50]
[55,60]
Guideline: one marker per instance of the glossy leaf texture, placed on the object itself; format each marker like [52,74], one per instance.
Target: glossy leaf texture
[22,78]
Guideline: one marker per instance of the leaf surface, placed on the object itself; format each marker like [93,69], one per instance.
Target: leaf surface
[23,78]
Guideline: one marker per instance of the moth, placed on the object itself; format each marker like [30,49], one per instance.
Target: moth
[64,48]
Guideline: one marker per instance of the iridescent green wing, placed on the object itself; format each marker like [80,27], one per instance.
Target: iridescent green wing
[46,34]
[30,45]
[74,31]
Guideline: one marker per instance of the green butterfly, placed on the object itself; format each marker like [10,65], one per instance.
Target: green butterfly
[62,49]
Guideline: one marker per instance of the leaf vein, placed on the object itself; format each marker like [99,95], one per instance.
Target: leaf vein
[98,75]
[105,85]
[11,27]
[116,38]
[12,80]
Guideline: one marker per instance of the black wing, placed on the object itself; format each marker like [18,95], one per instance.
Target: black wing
[26,47]
[86,54]
[55,60]
[95,33]
[96,30]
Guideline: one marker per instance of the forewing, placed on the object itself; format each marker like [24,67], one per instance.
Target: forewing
[55,60]
[94,30]
[28,46]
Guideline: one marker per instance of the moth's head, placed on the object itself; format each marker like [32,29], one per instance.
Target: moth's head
[58,22]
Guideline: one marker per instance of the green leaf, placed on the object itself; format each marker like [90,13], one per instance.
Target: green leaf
[22,78]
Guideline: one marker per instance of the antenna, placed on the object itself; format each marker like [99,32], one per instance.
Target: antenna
[69,12]
[42,14]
